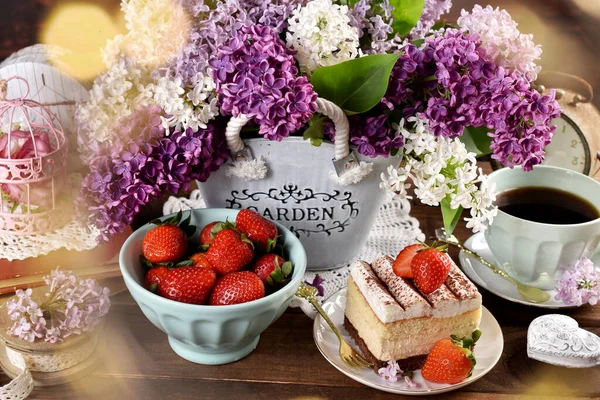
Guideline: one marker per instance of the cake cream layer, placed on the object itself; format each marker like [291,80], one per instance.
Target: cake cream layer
[393,298]
[405,337]
[456,296]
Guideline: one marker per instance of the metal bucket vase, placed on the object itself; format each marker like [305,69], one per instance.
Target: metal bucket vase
[302,190]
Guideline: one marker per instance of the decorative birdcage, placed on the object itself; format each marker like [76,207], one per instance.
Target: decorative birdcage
[33,165]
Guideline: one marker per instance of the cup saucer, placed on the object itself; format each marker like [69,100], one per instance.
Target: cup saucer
[487,279]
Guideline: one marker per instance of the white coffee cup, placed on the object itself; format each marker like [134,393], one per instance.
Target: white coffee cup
[533,252]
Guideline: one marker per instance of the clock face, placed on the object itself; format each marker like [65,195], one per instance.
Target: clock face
[569,149]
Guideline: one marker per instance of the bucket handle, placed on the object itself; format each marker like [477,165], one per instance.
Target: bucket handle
[348,169]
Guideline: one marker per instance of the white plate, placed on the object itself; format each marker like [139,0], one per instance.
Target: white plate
[487,279]
[488,351]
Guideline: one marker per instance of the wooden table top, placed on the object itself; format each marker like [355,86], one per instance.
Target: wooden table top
[137,362]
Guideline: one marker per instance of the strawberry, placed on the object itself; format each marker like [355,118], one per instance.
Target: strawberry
[451,360]
[187,284]
[402,263]
[168,242]
[209,231]
[237,287]
[154,277]
[430,268]
[200,260]
[257,228]
[229,252]
[272,269]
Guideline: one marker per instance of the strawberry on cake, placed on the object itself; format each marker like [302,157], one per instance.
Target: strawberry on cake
[401,318]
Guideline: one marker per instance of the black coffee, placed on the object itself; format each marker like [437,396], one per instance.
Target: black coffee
[546,205]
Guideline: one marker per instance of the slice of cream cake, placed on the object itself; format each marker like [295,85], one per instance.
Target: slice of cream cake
[390,319]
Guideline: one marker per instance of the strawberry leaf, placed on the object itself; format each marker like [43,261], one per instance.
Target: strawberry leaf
[145,262]
[154,288]
[218,227]
[203,248]
[277,275]
[286,268]
[271,244]
[476,335]
[245,239]
[187,227]
[184,263]
[228,225]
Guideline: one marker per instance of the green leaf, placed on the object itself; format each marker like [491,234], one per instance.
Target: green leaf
[316,142]
[418,42]
[476,140]
[438,25]
[287,268]
[314,132]
[145,262]
[406,14]
[476,335]
[450,216]
[271,244]
[184,263]
[203,248]
[355,85]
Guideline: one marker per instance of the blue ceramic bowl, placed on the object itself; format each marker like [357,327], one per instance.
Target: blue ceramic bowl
[210,334]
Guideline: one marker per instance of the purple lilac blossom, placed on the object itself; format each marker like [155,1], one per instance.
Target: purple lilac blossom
[451,84]
[256,76]
[579,284]
[218,25]
[318,284]
[121,181]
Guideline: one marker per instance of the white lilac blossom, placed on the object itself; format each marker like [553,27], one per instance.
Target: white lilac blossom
[441,167]
[579,284]
[321,34]
[72,306]
[157,31]
[432,12]
[186,108]
[122,89]
[503,43]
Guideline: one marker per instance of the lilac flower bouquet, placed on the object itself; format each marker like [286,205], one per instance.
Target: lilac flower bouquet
[433,95]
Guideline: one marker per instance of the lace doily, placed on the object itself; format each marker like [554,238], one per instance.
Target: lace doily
[75,236]
[20,387]
[393,230]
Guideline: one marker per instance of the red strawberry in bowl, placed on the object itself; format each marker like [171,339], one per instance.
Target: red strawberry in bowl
[187,284]
[207,234]
[257,228]
[229,252]
[451,360]
[200,260]
[154,277]
[272,269]
[237,287]
[167,243]
[430,268]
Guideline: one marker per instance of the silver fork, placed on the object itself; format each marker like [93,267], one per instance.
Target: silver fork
[350,356]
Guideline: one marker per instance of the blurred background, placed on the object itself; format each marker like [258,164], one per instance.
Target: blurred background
[568,30]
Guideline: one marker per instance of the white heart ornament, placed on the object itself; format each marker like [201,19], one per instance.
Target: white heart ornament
[557,339]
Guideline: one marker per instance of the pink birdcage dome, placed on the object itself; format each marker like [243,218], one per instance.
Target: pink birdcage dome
[33,165]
